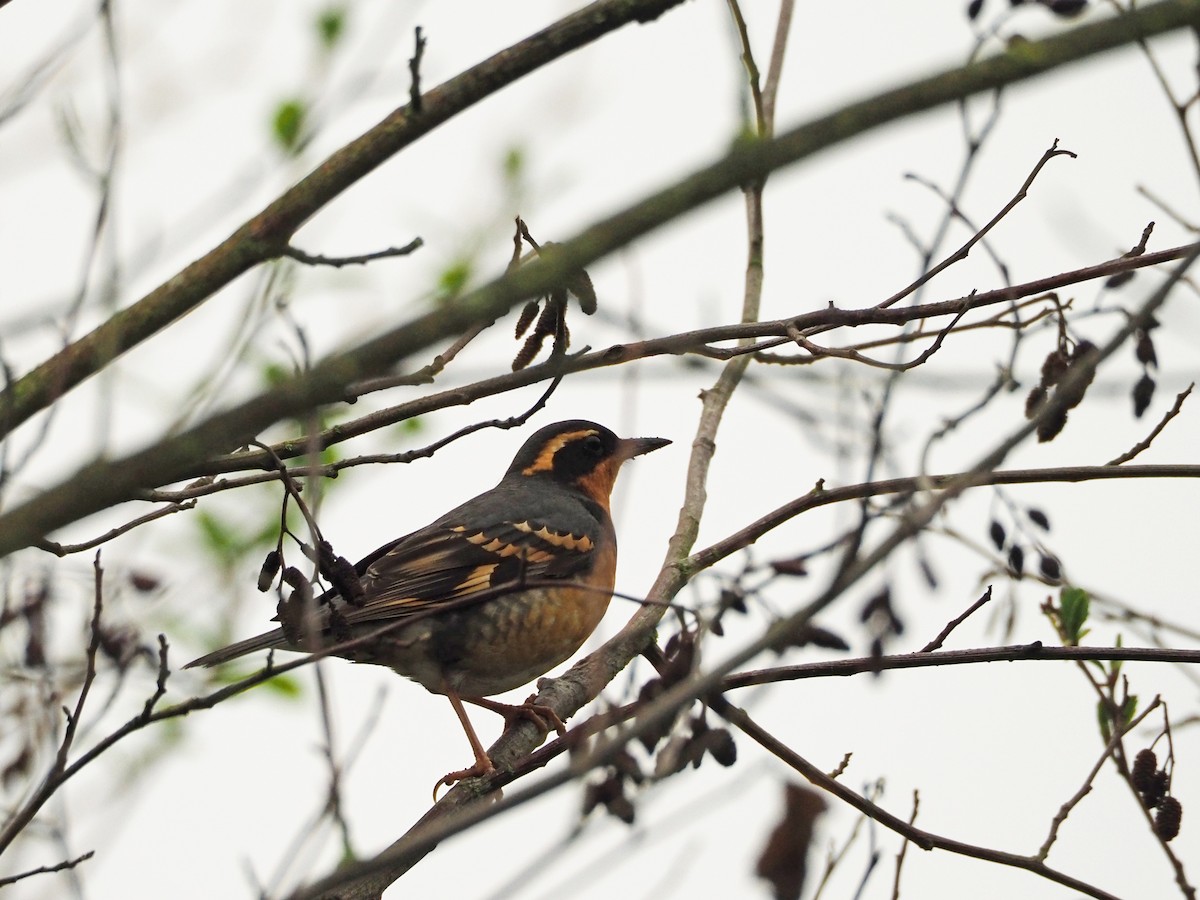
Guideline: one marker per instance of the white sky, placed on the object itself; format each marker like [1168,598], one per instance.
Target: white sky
[994,750]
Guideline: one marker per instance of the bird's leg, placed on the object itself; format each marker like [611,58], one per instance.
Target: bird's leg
[543,717]
[483,764]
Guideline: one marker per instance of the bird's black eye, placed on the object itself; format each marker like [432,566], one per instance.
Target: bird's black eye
[593,446]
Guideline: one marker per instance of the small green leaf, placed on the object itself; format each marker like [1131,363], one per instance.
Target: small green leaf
[217,536]
[285,686]
[331,25]
[1073,611]
[288,123]
[514,164]
[1129,709]
[273,374]
[1105,720]
[455,277]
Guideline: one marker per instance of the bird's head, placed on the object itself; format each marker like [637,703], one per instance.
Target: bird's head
[581,454]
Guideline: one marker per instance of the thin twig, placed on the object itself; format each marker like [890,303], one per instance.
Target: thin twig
[1149,439]
[962,252]
[414,69]
[337,262]
[937,642]
[44,870]
[926,840]
[1086,788]
[67,549]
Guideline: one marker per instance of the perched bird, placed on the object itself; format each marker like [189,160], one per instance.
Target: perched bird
[494,593]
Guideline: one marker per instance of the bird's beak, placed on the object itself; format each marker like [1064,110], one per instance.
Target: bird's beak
[628,448]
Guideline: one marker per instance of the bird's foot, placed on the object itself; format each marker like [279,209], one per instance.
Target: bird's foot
[482,767]
[542,716]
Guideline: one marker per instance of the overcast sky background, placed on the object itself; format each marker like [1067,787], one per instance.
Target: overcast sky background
[994,750]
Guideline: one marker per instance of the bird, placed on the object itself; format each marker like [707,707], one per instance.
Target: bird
[491,595]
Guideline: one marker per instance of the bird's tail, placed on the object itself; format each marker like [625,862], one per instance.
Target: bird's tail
[264,641]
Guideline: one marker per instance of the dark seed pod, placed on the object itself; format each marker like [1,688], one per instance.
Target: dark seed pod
[270,568]
[1143,393]
[1036,397]
[294,578]
[1053,367]
[733,598]
[1073,396]
[1166,820]
[880,603]
[1156,790]
[1145,764]
[821,637]
[1050,568]
[1016,560]
[997,534]
[143,581]
[547,322]
[1066,8]
[622,808]
[580,284]
[721,747]
[1052,426]
[344,578]
[1144,350]
[789,567]
[525,355]
[1038,518]
[528,311]
[1115,281]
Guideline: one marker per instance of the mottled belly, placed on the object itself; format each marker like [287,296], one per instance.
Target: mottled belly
[510,641]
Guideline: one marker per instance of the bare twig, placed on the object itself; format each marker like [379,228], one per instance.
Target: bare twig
[67,549]
[937,642]
[1065,810]
[414,69]
[44,870]
[962,252]
[903,851]
[924,659]
[58,771]
[926,840]
[337,262]
[1162,423]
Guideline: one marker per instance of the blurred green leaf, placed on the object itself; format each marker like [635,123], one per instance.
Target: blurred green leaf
[1073,604]
[455,277]
[331,25]
[218,536]
[288,123]
[514,164]
[286,686]
[1129,709]
[274,374]
[1105,720]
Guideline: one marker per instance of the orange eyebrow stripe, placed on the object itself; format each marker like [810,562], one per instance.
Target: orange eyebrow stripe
[545,458]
